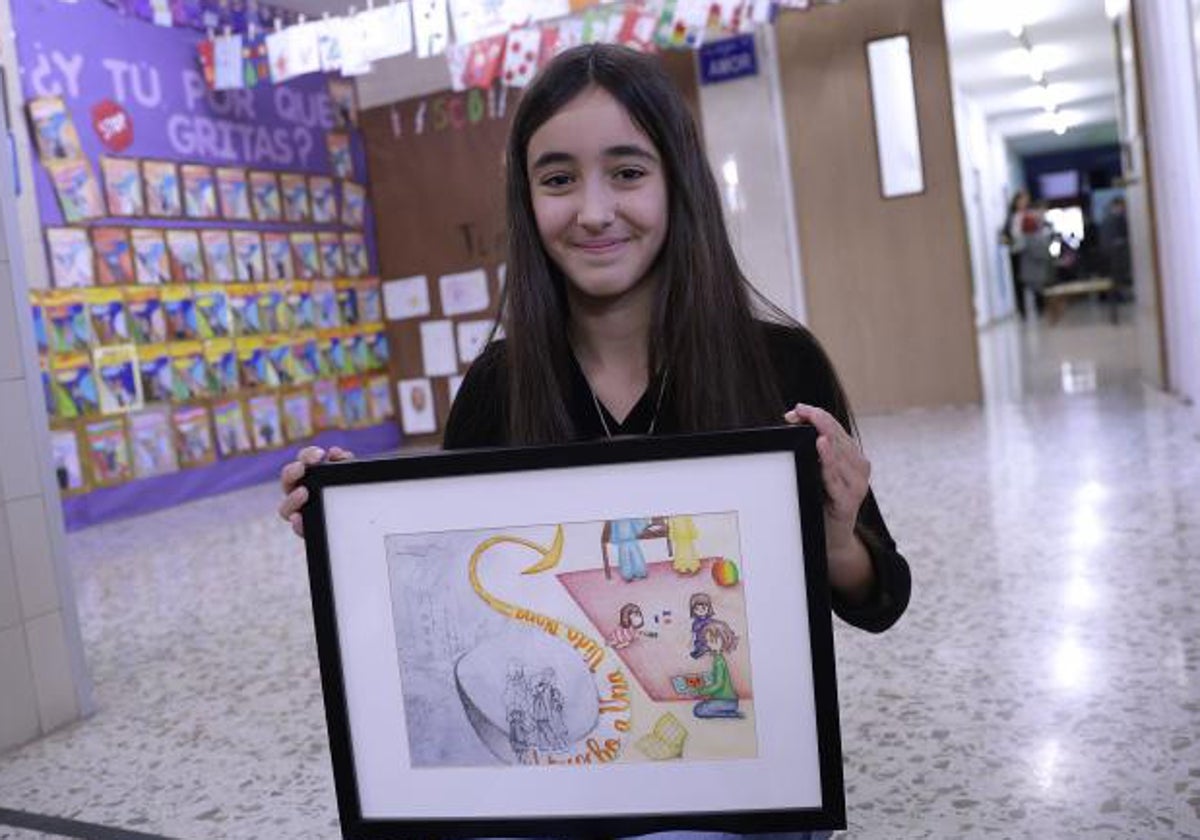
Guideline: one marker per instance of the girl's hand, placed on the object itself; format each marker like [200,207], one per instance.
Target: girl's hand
[846,473]
[295,496]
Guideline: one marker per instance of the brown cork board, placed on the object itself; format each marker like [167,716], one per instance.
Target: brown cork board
[437,187]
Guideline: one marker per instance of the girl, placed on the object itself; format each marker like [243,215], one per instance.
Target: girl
[700,608]
[720,700]
[625,311]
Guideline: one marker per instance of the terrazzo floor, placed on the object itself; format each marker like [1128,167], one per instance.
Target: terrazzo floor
[1045,682]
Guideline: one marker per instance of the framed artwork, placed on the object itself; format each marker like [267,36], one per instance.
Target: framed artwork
[266,422]
[187,260]
[151,264]
[71,262]
[107,316]
[354,204]
[324,199]
[379,398]
[122,186]
[277,253]
[76,188]
[218,254]
[107,451]
[307,258]
[608,639]
[117,381]
[163,194]
[221,355]
[229,418]
[143,309]
[212,312]
[190,376]
[151,443]
[333,262]
[114,256]
[53,129]
[157,372]
[358,262]
[341,158]
[297,415]
[193,436]
[72,386]
[294,188]
[248,255]
[265,196]
[234,192]
[327,405]
[199,191]
[345,103]
[68,468]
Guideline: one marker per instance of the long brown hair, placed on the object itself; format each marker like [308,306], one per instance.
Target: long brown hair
[703,335]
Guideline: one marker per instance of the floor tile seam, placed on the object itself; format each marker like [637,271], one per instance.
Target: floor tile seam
[66,827]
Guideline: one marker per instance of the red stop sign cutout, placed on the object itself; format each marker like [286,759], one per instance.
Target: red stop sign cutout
[113,125]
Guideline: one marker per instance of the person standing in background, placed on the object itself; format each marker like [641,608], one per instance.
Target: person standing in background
[1013,237]
[1114,243]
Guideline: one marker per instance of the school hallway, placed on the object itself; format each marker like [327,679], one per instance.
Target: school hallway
[1045,681]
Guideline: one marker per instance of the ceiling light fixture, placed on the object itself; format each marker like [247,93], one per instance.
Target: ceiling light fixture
[1036,71]
[1115,8]
[1049,97]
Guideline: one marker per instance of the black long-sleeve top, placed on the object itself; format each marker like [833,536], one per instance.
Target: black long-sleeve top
[803,374]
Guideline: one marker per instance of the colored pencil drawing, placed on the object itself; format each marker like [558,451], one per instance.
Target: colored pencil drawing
[517,646]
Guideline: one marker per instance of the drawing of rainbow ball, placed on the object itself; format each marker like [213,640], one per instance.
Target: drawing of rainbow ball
[725,572]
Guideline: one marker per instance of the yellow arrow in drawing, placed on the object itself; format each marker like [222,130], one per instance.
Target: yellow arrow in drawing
[550,557]
[588,648]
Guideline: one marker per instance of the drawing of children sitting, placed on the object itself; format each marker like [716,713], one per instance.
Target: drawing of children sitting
[700,607]
[720,698]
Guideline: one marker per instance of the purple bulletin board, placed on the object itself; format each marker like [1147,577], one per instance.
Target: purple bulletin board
[93,54]
[89,52]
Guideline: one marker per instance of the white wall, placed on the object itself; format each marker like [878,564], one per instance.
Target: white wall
[1172,125]
[744,133]
[43,680]
[983,165]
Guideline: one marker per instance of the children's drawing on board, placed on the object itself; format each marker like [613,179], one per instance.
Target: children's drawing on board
[623,640]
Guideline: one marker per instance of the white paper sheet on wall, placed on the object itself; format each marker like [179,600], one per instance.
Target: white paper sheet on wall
[473,21]
[417,413]
[228,71]
[384,32]
[407,297]
[437,348]
[464,292]
[472,338]
[453,384]
[431,27]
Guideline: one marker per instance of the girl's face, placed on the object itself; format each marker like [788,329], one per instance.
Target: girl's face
[701,609]
[599,196]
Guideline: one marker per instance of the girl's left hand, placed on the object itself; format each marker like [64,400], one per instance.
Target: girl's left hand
[844,468]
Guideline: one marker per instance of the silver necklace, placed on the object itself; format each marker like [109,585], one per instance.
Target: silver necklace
[662,389]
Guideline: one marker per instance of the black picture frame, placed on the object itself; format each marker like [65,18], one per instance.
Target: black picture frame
[795,446]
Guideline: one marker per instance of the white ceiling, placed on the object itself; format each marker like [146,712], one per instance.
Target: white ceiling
[1073,40]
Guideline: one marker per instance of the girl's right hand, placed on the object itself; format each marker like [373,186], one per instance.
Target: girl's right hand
[294,495]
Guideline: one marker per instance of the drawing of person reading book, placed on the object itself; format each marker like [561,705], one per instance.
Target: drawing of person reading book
[720,698]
